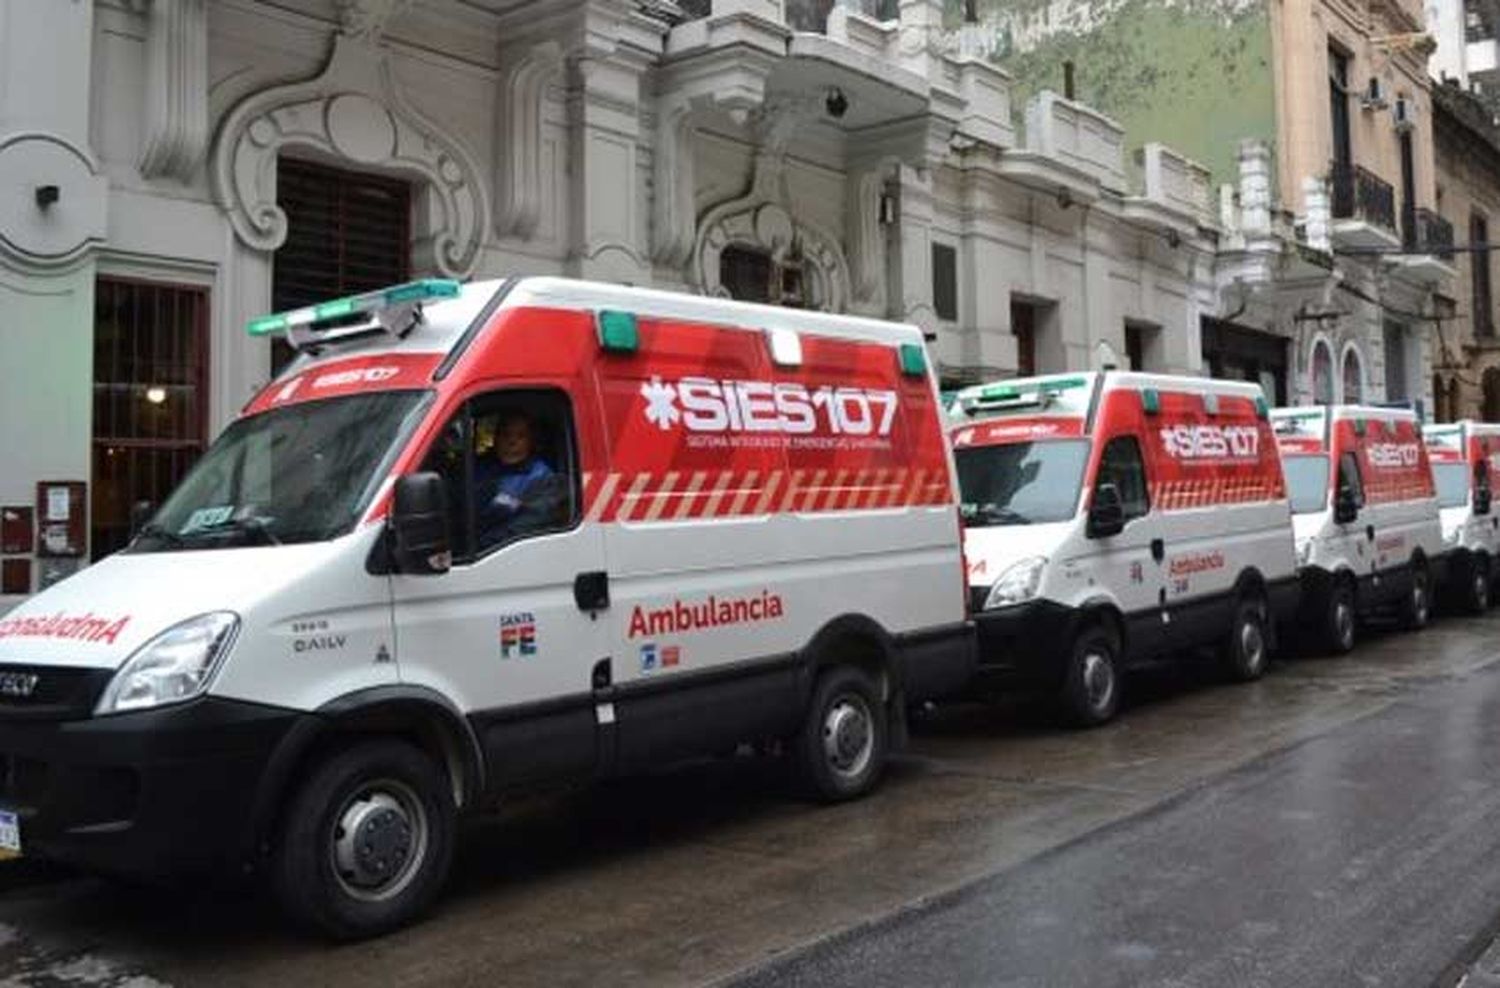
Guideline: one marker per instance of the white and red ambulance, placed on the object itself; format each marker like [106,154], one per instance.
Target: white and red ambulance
[1116,518]
[1465,457]
[484,537]
[1365,514]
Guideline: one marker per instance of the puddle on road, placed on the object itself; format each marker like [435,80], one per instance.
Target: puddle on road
[30,966]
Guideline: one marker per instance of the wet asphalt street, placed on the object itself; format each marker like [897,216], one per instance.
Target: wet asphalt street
[1336,823]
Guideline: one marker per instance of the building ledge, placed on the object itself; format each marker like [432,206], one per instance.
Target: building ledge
[1424,269]
[1038,170]
[1362,233]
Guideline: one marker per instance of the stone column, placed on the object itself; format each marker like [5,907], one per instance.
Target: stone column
[1255,188]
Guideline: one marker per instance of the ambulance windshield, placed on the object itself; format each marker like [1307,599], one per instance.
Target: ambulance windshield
[300,473]
[1307,480]
[1020,483]
[1452,484]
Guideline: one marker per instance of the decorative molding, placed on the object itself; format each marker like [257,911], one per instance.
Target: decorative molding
[864,237]
[759,220]
[518,177]
[366,20]
[73,226]
[675,183]
[176,96]
[353,111]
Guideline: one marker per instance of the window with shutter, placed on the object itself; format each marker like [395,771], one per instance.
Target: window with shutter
[347,232]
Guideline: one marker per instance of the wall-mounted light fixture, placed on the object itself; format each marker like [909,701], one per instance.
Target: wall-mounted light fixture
[46,195]
[835,102]
[887,208]
[1064,196]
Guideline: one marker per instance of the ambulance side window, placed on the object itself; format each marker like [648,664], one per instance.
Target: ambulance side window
[1349,478]
[1123,466]
[509,462]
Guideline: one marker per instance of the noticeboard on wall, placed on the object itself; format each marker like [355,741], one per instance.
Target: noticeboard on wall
[17,533]
[62,518]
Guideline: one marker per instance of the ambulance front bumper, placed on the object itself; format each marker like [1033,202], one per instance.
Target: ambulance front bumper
[1023,645]
[152,793]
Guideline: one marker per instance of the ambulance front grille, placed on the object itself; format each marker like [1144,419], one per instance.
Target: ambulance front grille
[49,692]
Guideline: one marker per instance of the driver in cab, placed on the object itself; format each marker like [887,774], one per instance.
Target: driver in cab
[518,491]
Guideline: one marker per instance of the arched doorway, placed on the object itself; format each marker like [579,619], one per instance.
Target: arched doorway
[1322,373]
[1492,395]
[1353,375]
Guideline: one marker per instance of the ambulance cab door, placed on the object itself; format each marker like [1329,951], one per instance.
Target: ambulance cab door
[1130,563]
[1354,540]
[502,634]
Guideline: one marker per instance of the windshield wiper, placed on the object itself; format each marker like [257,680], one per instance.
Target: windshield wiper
[155,530]
[995,514]
[250,525]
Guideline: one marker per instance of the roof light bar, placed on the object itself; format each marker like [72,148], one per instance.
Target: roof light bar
[425,290]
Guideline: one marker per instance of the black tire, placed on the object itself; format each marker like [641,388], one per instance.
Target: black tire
[1477,593]
[1339,619]
[1246,653]
[396,797]
[1091,688]
[841,748]
[1416,610]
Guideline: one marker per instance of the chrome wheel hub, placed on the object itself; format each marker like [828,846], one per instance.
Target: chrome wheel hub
[1343,623]
[1252,645]
[379,841]
[1098,680]
[848,736]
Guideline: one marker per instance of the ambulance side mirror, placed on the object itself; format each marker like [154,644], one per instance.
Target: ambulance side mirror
[1106,513]
[419,525]
[1345,507]
[1482,500]
[140,513]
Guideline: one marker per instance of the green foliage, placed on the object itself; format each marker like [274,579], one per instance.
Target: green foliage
[1195,76]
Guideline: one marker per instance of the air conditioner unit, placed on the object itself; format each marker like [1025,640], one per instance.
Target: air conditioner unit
[1405,112]
[1373,98]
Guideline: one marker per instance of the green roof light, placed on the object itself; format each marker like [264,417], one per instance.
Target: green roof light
[913,359]
[424,290]
[618,331]
[1150,400]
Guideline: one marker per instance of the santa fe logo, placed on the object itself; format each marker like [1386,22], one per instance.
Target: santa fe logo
[517,635]
[702,404]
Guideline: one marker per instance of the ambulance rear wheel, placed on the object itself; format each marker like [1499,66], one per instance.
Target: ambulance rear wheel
[1417,610]
[367,841]
[841,749]
[1247,652]
[1091,690]
[1339,620]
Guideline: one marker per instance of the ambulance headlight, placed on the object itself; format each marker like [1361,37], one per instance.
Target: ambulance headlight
[1450,537]
[1017,584]
[174,666]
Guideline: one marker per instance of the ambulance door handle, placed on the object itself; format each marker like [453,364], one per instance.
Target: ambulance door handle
[1370,532]
[591,590]
[1158,549]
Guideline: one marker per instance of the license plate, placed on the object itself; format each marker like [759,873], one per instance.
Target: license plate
[10,835]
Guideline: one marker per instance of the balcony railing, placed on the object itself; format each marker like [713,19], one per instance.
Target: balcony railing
[1362,195]
[1431,234]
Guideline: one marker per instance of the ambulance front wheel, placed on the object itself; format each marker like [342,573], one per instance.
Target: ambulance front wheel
[1247,652]
[1091,689]
[1417,610]
[367,841]
[1477,595]
[1338,629]
[842,746]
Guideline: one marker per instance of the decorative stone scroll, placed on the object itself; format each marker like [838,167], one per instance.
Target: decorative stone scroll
[353,111]
[518,181]
[176,91]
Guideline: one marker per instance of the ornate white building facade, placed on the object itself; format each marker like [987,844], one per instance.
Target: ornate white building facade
[172,168]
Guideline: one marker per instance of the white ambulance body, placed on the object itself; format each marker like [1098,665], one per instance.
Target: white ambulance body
[365,611]
[1117,518]
[1365,514]
[1465,461]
